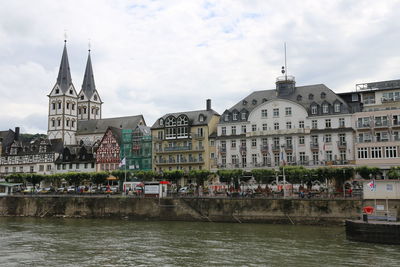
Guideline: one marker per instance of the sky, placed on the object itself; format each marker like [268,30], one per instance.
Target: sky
[157,57]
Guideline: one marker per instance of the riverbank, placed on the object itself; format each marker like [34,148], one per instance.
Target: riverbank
[243,210]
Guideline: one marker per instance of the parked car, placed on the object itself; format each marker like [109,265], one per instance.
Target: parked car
[71,189]
[29,190]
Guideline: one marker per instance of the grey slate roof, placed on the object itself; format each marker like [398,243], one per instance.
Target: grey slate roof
[258,97]
[146,130]
[32,148]
[192,115]
[64,79]
[100,126]
[7,138]
[88,85]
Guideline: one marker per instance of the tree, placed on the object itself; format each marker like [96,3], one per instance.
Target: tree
[98,178]
[16,178]
[74,178]
[368,172]
[34,178]
[263,176]
[394,173]
[173,176]
[200,176]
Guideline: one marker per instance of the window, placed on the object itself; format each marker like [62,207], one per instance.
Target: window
[223,130]
[354,97]
[328,155]
[84,110]
[200,131]
[302,157]
[82,97]
[376,152]
[254,159]
[328,138]
[182,120]
[289,157]
[59,105]
[264,127]
[67,105]
[341,122]
[328,123]
[264,113]
[276,126]
[243,115]
[235,116]
[59,122]
[170,133]
[264,142]
[41,168]
[53,123]
[276,159]
[254,102]
[288,125]
[301,140]
[299,97]
[57,91]
[301,124]
[325,108]
[314,109]
[161,122]
[314,124]
[212,155]
[244,129]
[233,143]
[95,97]
[362,152]
[201,118]
[288,111]
[315,158]
[72,123]
[253,127]
[310,96]
[342,139]
[323,95]
[253,142]
[67,122]
[53,106]
[226,117]
[233,130]
[391,152]
[337,107]
[276,112]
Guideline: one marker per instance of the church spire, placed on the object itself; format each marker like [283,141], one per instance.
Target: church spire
[64,74]
[88,85]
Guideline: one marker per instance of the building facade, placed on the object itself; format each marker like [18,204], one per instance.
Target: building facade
[181,140]
[108,152]
[377,137]
[307,125]
[136,148]
[75,159]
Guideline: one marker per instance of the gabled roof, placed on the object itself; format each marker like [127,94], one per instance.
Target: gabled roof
[64,79]
[88,85]
[33,147]
[100,126]
[193,117]
[7,138]
[117,133]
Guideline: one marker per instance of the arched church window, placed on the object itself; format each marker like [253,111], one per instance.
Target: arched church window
[73,106]
[59,105]
[53,105]
[84,110]
[73,123]
[53,122]
[58,122]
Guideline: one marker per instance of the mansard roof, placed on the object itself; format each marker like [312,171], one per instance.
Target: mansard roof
[64,79]
[100,126]
[304,100]
[88,85]
[193,116]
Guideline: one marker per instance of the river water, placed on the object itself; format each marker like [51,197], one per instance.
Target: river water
[102,242]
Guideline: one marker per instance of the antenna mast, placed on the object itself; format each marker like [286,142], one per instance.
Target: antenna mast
[285,62]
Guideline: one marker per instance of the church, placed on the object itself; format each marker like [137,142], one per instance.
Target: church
[76,118]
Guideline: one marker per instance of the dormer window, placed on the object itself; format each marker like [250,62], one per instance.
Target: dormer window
[235,116]
[325,108]
[314,109]
[254,102]
[226,117]
[310,96]
[201,118]
[264,100]
[243,115]
[182,120]
[161,122]
[337,107]
[299,97]
[170,121]
[244,102]
[323,95]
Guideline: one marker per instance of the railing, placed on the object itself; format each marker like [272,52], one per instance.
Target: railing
[198,136]
[314,145]
[264,148]
[381,124]
[222,149]
[342,144]
[276,147]
[288,146]
[363,125]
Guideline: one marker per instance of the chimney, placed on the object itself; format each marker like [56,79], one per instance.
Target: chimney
[208,104]
[1,146]
[16,136]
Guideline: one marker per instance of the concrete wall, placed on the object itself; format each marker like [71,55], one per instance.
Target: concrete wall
[186,209]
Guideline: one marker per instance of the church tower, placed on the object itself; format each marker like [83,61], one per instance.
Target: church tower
[63,117]
[89,102]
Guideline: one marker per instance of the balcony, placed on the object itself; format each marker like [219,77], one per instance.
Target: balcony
[197,136]
[342,144]
[381,124]
[288,147]
[264,149]
[276,147]
[177,148]
[243,149]
[389,100]
[395,123]
[222,149]
[363,140]
[314,146]
[363,125]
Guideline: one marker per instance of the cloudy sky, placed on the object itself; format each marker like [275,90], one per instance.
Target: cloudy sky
[156,57]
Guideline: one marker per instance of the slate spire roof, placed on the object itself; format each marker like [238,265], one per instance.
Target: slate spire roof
[64,79]
[88,85]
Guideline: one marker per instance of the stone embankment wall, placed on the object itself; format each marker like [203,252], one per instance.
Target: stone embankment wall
[296,211]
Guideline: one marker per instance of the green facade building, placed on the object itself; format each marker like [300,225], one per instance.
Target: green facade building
[136,148]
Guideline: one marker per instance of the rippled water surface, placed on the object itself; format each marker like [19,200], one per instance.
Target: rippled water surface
[84,242]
